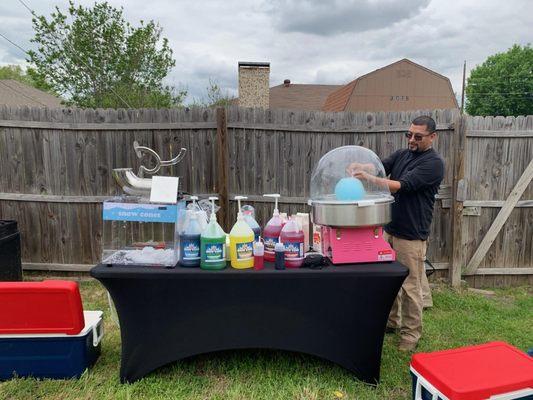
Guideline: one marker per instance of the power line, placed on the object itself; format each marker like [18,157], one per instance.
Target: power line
[25,5]
[12,88]
[74,53]
[13,43]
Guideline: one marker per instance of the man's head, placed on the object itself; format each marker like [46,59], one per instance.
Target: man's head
[422,133]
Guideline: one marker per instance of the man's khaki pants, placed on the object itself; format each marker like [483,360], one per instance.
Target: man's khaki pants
[406,312]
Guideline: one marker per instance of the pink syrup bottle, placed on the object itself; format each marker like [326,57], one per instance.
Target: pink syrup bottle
[272,231]
[293,239]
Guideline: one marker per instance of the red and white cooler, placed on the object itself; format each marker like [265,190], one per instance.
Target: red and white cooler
[44,332]
[491,371]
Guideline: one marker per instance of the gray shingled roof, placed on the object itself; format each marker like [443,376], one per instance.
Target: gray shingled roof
[15,93]
[300,97]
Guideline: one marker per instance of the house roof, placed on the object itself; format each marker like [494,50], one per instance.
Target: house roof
[338,100]
[300,97]
[15,93]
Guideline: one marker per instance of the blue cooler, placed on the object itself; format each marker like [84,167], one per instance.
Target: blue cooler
[56,356]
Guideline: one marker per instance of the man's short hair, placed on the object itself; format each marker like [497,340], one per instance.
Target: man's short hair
[426,120]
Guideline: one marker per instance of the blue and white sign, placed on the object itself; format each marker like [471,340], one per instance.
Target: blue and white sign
[141,212]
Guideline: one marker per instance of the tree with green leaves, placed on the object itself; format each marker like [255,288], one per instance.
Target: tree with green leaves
[93,57]
[503,84]
[214,96]
[16,72]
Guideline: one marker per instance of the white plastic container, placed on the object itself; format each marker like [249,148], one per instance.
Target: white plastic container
[423,390]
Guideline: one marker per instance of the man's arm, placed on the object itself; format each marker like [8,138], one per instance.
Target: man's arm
[355,167]
[426,174]
[393,185]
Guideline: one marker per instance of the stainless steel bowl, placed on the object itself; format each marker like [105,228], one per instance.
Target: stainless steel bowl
[372,211]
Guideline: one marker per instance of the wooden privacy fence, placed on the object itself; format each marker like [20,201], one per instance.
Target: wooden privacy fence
[56,171]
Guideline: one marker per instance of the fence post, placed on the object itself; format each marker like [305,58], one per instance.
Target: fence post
[222,167]
[458,196]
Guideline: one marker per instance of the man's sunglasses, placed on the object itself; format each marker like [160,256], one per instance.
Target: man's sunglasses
[418,137]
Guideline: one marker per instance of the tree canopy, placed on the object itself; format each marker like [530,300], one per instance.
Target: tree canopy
[503,84]
[93,57]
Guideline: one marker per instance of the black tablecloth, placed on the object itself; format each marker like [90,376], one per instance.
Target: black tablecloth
[337,313]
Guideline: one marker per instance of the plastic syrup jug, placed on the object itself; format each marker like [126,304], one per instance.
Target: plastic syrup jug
[213,243]
[241,238]
[284,218]
[190,241]
[303,220]
[248,213]
[293,239]
[201,214]
[272,230]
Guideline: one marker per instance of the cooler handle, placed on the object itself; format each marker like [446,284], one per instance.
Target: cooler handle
[421,382]
[98,338]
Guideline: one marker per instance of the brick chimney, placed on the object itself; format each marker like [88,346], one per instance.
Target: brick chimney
[254,84]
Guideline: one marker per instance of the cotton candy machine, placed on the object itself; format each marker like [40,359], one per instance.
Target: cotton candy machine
[351,211]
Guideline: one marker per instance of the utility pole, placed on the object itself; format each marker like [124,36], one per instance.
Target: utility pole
[463,90]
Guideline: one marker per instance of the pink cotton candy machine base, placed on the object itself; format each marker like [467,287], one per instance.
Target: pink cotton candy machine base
[356,245]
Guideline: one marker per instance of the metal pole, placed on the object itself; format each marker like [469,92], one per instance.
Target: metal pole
[463,90]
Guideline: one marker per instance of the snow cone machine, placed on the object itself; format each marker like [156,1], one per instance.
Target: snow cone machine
[136,230]
[351,212]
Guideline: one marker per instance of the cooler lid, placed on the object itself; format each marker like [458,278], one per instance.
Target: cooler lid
[50,306]
[476,372]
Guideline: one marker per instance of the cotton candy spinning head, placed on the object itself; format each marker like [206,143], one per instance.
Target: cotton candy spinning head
[349,189]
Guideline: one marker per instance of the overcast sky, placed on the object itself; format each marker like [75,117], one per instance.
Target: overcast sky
[313,41]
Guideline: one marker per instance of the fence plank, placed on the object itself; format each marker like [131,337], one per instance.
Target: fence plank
[457,218]
[105,127]
[222,167]
[500,133]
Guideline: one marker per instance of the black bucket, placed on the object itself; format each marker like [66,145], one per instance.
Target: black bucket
[10,264]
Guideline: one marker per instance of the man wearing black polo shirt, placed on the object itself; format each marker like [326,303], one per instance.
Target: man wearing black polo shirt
[414,174]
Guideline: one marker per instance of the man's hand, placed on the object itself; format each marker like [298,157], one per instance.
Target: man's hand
[363,175]
[367,172]
[355,168]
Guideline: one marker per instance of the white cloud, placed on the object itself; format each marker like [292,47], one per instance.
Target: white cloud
[306,41]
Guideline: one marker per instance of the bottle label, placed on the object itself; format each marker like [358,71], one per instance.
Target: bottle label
[270,243]
[294,251]
[191,250]
[244,251]
[215,252]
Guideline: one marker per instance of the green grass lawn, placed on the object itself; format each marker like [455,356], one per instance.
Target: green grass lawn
[458,318]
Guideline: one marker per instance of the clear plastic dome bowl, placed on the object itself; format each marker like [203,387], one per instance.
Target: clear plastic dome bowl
[339,198]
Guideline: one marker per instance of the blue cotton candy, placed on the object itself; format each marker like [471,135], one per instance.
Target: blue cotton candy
[349,189]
